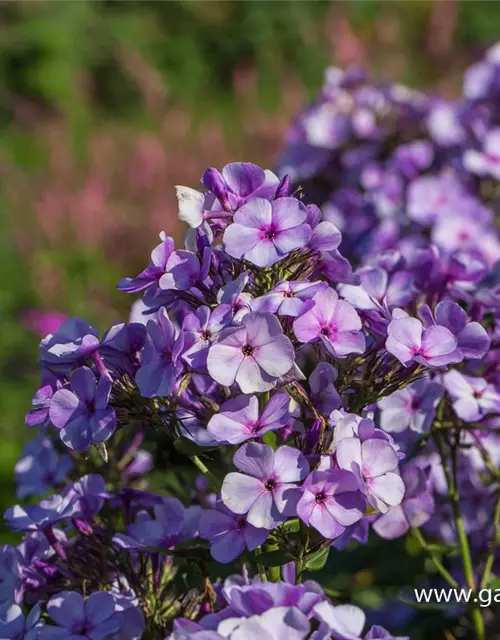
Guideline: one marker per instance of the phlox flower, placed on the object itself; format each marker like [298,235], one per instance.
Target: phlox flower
[266,489]
[409,342]
[264,232]
[330,502]
[82,412]
[415,509]
[77,619]
[238,419]
[161,357]
[14,626]
[334,322]
[229,533]
[374,462]
[412,408]
[473,398]
[253,354]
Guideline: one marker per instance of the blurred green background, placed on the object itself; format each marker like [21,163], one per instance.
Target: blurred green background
[104,106]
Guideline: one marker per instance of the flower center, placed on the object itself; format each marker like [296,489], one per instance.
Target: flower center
[288,294]
[270,484]
[205,334]
[247,350]
[320,497]
[241,523]
[270,234]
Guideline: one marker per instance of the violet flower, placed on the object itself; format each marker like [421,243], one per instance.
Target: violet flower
[473,398]
[334,322]
[239,182]
[155,269]
[201,329]
[229,533]
[239,420]
[409,342]
[415,509]
[330,502]
[374,462]
[413,407]
[266,489]
[79,619]
[14,626]
[487,161]
[40,468]
[82,412]
[287,298]
[253,354]
[264,232]
[161,357]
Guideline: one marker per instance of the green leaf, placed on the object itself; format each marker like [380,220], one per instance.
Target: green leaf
[317,560]
[274,558]
[270,439]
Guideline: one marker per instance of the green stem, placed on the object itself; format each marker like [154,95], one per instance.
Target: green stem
[435,559]
[260,568]
[463,541]
[274,572]
[494,545]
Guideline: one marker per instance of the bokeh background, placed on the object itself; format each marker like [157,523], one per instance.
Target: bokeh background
[104,106]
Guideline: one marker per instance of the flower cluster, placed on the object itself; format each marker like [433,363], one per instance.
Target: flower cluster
[328,371]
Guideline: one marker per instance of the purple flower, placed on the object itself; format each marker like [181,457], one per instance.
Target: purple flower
[287,298]
[229,533]
[162,531]
[264,232]
[409,342]
[344,621]
[82,412]
[184,270]
[473,341]
[330,502]
[377,291]
[155,269]
[161,357]
[238,182]
[324,394]
[279,623]
[374,462]
[14,626]
[266,490]
[334,322]
[486,162]
[78,619]
[410,408]
[40,468]
[253,354]
[88,494]
[40,517]
[38,416]
[473,398]
[238,419]
[70,345]
[11,566]
[414,511]
[201,329]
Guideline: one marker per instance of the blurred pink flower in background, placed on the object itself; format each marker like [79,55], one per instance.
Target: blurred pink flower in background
[43,322]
